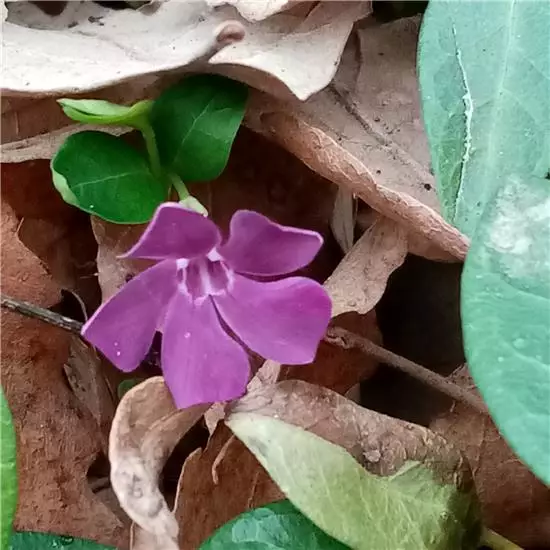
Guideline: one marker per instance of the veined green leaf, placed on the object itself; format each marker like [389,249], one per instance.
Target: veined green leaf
[43,541]
[276,526]
[103,175]
[410,510]
[506,316]
[8,471]
[484,74]
[97,111]
[485,82]
[195,123]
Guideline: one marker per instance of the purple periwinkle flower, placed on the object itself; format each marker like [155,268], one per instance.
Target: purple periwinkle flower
[199,286]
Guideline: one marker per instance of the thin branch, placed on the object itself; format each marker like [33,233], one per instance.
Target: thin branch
[348,340]
[335,335]
[43,314]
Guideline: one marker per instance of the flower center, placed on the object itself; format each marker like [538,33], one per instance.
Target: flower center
[202,277]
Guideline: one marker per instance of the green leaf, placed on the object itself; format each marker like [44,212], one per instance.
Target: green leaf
[8,471]
[44,541]
[97,111]
[506,316]
[126,385]
[484,74]
[410,510]
[276,526]
[195,123]
[101,174]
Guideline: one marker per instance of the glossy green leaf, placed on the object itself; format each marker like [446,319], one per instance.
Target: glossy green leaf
[276,526]
[97,111]
[506,316]
[410,510]
[484,73]
[8,471]
[195,123]
[103,175]
[45,541]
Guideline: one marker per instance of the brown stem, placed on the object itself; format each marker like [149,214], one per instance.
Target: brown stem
[348,340]
[335,335]
[43,314]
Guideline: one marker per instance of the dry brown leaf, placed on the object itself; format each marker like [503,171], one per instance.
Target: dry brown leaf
[56,232]
[286,53]
[146,428]
[364,131]
[203,505]
[57,441]
[514,502]
[343,219]
[359,281]
[380,443]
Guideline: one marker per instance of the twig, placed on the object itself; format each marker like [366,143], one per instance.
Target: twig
[348,340]
[43,314]
[335,335]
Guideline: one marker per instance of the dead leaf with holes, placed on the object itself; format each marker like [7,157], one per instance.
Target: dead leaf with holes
[514,502]
[141,440]
[364,132]
[57,440]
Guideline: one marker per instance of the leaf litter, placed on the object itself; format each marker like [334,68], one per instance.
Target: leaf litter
[357,127]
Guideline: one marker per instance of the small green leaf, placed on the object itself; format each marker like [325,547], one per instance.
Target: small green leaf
[485,98]
[97,111]
[276,526]
[410,510]
[195,123]
[126,385]
[8,471]
[101,174]
[44,541]
[506,315]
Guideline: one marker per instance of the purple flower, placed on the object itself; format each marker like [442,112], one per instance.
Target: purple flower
[202,285]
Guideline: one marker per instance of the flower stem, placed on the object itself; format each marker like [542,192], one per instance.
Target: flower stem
[152,150]
[180,187]
[497,542]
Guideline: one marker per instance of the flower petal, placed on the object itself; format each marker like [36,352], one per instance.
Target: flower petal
[175,232]
[124,326]
[200,361]
[258,246]
[282,320]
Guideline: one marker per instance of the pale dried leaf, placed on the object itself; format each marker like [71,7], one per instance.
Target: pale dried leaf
[57,440]
[359,281]
[324,155]
[146,428]
[286,54]
[252,10]
[380,443]
[364,131]
[514,502]
[84,374]
[343,219]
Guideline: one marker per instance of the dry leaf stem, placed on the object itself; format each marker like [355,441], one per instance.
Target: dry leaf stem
[335,335]
[348,340]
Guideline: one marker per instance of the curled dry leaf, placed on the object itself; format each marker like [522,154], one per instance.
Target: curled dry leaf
[514,502]
[146,428]
[57,440]
[358,283]
[290,54]
[427,468]
[364,132]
